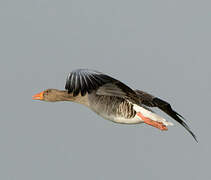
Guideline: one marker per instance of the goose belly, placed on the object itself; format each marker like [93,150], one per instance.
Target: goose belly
[120,119]
[114,109]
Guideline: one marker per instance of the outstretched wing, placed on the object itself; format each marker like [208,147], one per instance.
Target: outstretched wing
[86,81]
[152,101]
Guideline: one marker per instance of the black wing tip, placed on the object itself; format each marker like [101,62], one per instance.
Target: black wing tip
[166,107]
[179,120]
[195,137]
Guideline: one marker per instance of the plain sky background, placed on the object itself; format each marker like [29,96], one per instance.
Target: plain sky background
[163,47]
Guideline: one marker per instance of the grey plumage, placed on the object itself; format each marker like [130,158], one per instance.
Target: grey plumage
[110,106]
[111,98]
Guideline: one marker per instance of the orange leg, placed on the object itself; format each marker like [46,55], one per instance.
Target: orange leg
[150,122]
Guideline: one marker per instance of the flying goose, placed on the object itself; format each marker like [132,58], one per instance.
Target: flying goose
[112,99]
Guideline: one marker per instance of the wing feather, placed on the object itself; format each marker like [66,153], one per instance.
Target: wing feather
[86,81]
[83,85]
[152,101]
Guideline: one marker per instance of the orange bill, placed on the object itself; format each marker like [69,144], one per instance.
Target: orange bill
[38,96]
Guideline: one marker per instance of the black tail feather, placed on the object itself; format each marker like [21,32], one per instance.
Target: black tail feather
[166,107]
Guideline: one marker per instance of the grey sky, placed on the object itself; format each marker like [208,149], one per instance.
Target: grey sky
[162,47]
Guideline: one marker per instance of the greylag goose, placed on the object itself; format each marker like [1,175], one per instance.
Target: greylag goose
[112,100]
